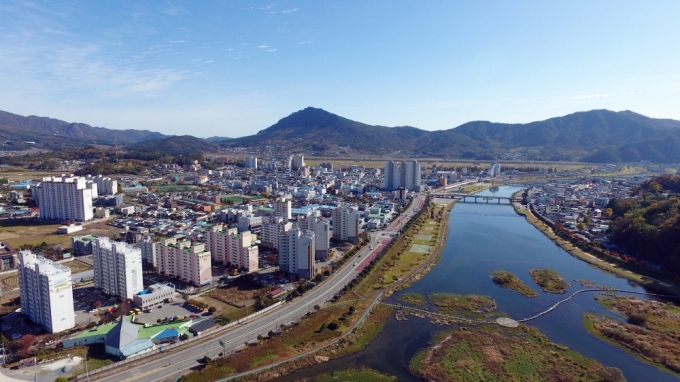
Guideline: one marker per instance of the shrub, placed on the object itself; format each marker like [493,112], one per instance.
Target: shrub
[333,325]
[637,318]
[212,309]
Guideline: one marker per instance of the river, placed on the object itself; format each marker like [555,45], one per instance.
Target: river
[485,237]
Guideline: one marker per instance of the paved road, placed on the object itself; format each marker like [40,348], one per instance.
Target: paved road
[181,362]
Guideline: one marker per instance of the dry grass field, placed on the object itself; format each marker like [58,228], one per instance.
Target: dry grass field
[29,233]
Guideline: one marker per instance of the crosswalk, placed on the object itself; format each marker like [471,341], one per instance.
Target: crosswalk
[135,371]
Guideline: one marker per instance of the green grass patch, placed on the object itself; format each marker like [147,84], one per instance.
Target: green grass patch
[414,299]
[454,303]
[550,281]
[510,281]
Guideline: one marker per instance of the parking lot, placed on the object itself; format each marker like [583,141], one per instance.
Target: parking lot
[168,310]
[14,325]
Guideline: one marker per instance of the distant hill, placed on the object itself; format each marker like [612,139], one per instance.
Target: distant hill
[590,136]
[55,134]
[177,145]
[218,139]
[593,136]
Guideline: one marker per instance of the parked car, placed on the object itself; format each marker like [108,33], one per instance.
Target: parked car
[16,336]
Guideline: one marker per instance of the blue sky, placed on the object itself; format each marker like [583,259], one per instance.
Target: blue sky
[233,68]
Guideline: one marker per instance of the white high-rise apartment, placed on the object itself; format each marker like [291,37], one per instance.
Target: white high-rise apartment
[251,162]
[117,268]
[345,224]
[64,198]
[392,175]
[494,169]
[184,260]
[296,162]
[230,246]
[46,292]
[406,175]
[296,253]
[322,234]
[410,175]
[105,186]
[269,237]
[149,254]
[282,209]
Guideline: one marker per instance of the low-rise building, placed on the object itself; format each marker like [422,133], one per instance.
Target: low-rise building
[154,295]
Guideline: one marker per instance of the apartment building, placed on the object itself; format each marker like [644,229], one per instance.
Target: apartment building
[346,224]
[105,186]
[406,175]
[149,251]
[46,292]
[117,268]
[231,247]
[322,234]
[282,209]
[183,260]
[251,162]
[65,198]
[269,237]
[296,162]
[296,253]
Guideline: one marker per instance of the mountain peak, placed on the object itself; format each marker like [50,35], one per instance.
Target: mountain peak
[309,118]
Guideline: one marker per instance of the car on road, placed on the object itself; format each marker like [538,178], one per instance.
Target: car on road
[355,264]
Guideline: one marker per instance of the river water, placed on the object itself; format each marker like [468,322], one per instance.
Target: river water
[484,237]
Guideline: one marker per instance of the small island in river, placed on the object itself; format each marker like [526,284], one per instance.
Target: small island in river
[549,280]
[510,281]
[414,299]
[452,303]
[492,353]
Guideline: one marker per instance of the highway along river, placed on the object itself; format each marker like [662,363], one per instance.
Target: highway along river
[485,237]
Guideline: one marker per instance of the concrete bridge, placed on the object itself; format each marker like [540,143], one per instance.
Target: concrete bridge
[466,198]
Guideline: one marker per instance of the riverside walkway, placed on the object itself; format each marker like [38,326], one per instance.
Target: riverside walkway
[473,321]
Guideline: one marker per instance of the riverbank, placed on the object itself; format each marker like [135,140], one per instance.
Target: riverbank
[649,333]
[577,252]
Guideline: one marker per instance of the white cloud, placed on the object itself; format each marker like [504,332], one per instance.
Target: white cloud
[305,42]
[263,46]
[289,10]
[172,11]
[272,50]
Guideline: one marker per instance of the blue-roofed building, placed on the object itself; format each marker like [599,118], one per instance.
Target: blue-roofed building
[167,335]
[122,340]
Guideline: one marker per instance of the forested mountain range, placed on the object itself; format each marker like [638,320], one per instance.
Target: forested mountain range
[17,130]
[593,136]
[590,136]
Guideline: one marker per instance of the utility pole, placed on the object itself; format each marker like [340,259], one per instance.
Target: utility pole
[87,372]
